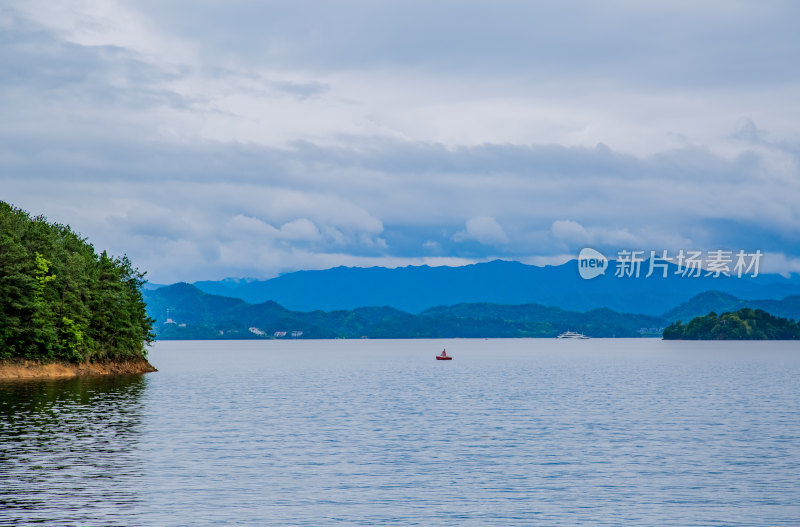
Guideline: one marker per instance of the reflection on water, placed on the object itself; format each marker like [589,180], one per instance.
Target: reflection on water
[601,432]
[68,450]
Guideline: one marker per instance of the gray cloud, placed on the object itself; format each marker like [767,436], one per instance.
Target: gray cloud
[328,203]
[657,43]
[251,138]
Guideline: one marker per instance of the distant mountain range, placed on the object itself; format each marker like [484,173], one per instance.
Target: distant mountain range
[719,302]
[183,311]
[416,288]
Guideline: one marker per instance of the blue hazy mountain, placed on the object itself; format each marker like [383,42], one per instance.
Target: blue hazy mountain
[704,303]
[416,288]
[181,311]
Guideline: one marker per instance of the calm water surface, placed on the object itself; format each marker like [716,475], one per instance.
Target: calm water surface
[511,432]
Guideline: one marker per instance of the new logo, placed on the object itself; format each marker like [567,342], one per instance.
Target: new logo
[591,263]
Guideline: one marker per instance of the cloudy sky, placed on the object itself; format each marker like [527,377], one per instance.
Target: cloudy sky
[248,138]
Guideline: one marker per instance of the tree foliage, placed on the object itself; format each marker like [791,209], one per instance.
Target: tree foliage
[744,324]
[60,301]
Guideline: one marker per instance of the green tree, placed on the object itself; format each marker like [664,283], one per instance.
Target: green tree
[59,300]
[744,324]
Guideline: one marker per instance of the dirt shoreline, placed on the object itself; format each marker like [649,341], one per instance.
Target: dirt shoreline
[30,370]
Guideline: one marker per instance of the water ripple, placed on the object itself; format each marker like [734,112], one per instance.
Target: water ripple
[518,432]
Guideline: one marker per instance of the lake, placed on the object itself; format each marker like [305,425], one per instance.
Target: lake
[369,432]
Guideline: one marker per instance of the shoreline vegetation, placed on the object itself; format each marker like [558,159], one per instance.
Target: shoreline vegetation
[64,309]
[744,324]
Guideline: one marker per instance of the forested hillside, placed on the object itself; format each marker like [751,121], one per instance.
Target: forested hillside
[182,311]
[744,324]
[61,301]
[704,303]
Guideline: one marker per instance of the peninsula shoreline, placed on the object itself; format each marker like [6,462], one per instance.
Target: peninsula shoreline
[33,370]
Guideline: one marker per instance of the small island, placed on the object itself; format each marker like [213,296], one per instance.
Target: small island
[744,324]
[64,309]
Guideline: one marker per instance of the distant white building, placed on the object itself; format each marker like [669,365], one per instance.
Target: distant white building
[279,334]
[257,331]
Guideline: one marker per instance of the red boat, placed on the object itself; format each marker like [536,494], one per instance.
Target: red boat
[443,356]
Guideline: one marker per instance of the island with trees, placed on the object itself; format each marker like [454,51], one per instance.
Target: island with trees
[64,309]
[744,324]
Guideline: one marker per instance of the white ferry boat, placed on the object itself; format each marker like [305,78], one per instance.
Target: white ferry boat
[572,335]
